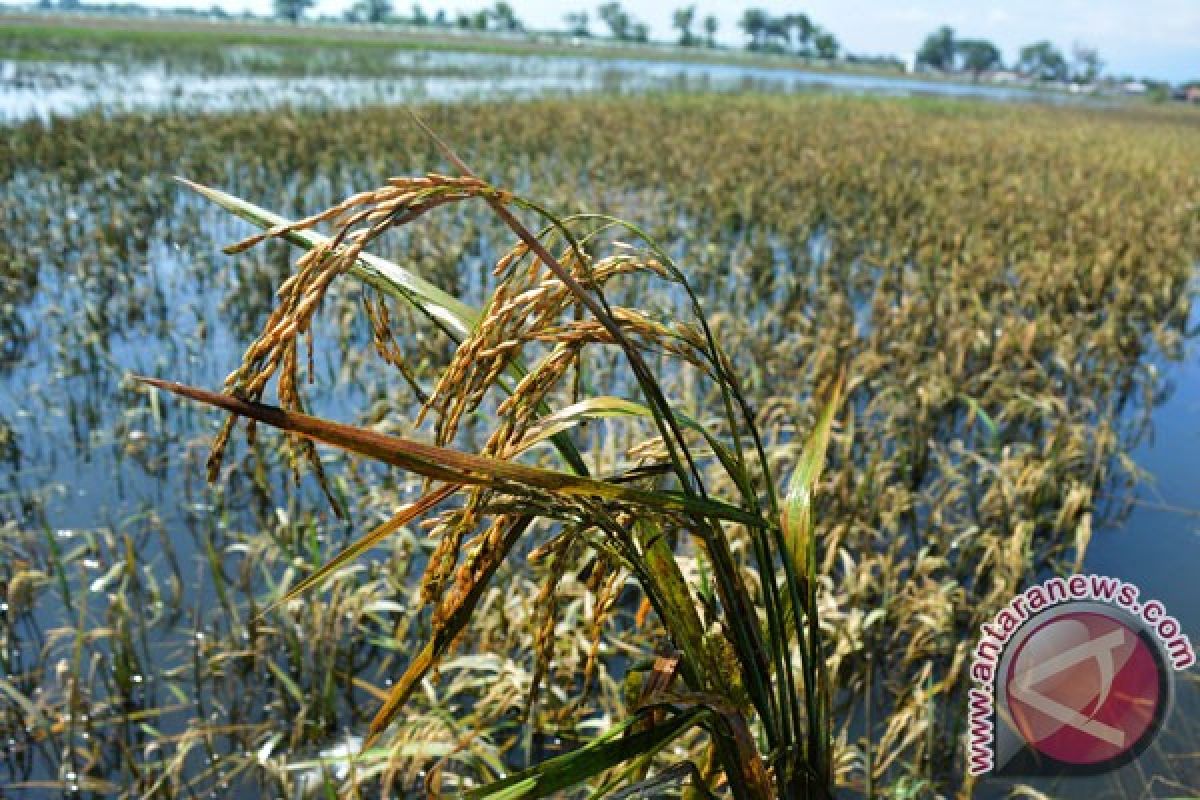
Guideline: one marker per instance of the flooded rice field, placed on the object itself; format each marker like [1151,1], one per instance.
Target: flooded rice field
[253,79]
[1009,291]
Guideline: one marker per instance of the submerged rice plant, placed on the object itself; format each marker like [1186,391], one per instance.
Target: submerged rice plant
[1003,290]
[746,667]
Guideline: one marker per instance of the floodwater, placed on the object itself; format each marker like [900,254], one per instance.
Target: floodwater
[38,89]
[79,466]
[82,450]
[1157,545]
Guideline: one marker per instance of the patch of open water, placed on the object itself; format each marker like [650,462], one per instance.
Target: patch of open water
[40,89]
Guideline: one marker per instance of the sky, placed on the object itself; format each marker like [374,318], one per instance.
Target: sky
[1149,38]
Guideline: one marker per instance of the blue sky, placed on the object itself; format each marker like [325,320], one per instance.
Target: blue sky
[1155,38]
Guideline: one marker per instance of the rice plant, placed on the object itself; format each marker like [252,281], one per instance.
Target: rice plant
[1005,288]
[749,671]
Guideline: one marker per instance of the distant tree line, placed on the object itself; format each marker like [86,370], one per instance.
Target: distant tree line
[793,33]
[500,17]
[1040,61]
[787,33]
[621,24]
[291,10]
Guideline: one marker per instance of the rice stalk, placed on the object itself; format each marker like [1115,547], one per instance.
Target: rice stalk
[741,672]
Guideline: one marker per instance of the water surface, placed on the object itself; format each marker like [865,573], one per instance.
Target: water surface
[38,89]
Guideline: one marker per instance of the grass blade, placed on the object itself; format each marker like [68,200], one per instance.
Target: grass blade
[384,275]
[594,758]
[455,466]
[796,518]
[615,407]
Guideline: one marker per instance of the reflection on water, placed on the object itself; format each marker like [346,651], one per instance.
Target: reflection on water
[1163,524]
[37,89]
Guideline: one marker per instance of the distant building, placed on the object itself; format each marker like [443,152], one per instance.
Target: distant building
[1192,94]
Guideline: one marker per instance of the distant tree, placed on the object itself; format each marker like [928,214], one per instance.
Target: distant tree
[978,56]
[778,34]
[1042,61]
[826,45]
[418,17]
[754,23]
[440,19]
[938,49]
[682,20]
[577,23]
[616,19]
[292,10]
[622,26]
[710,30]
[373,11]
[802,29]
[1086,63]
[505,18]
